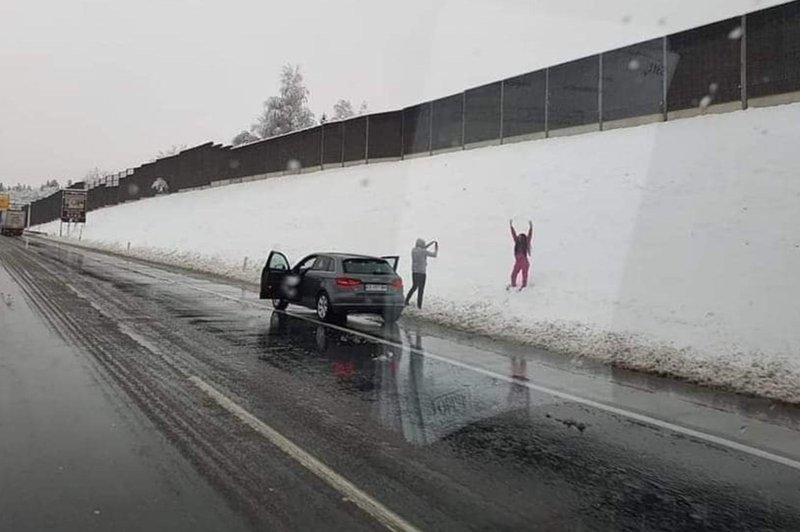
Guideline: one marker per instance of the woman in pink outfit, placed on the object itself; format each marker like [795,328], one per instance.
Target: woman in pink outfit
[522,249]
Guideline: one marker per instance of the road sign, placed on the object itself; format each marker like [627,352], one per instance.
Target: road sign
[5,201]
[73,206]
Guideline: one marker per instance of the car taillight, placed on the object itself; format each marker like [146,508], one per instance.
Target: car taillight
[347,282]
[397,283]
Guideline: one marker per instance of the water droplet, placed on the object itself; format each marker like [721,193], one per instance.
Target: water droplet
[133,189]
[736,33]
[233,163]
[293,165]
[713,88]
[634,64]
[705,101]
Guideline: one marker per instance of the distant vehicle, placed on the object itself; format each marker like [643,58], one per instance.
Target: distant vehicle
[12,222]
[335,285]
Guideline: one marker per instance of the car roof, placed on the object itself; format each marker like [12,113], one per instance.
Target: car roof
[339,255]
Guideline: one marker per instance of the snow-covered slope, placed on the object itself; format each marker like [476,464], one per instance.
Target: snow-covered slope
[671,247]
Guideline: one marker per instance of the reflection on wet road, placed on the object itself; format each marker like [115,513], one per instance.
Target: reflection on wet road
[447,431]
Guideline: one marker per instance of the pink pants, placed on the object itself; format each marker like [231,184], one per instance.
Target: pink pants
[522,265]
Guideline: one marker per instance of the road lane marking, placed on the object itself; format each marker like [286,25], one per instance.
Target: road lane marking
[378,511]
[703,436]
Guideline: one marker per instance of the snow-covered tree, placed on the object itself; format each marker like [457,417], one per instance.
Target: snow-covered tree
[362,109]
[175,149]
[289,111]
[343,109]
[160,185]
[243,137]
[94,174]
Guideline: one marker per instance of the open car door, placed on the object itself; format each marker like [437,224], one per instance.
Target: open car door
[272,276]
[392,260]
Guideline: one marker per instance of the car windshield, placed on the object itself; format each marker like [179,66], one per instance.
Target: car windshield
[367,267]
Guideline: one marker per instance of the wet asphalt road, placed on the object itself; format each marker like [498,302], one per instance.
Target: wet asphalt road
[102,424]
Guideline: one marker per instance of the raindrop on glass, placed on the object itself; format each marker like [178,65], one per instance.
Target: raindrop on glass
[634,64]
[736,33]
[705,101]
[293,165]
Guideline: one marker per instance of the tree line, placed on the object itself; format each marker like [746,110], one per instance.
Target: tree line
[288,111]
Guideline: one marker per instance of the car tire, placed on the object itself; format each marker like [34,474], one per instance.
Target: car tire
[280,304]
[323,308]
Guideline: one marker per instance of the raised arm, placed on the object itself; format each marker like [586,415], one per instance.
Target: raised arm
[435,251]
[530,230]
[513,233]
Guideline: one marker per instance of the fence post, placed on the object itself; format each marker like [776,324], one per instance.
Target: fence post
[402,134]
[547,102]
[600,91]
[343,132]
[322,146]
[463,118]
[430,128]
[664,74]
[366,141]
[743,53]
[502,109]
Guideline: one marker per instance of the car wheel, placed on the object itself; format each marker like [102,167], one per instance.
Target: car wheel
[324,309]
[280,304]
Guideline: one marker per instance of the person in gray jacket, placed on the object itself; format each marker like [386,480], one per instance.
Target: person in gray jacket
[419,268]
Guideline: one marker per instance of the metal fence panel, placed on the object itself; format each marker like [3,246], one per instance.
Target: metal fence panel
[417,129]
[333,142]
[310,147]
[707,66]
[524,104]
[385,135]
[446,122]
[773,51]
[573,94]
[482,108]
[355,139]
[633,81]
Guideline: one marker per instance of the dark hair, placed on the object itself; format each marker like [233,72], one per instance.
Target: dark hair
[521,245]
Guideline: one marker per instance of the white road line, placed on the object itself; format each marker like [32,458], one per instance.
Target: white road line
[389,519]
[710,438]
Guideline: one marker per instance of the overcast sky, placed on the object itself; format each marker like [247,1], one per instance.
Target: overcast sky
[103,83]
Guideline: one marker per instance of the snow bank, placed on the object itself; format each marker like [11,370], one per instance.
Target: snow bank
[671,248]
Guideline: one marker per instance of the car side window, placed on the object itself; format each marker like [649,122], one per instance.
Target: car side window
[331,265]
[306,264]
[320,264]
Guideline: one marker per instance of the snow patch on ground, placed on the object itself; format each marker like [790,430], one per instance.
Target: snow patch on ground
[670,248]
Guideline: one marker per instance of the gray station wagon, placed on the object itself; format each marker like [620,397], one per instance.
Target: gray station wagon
[335,285]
